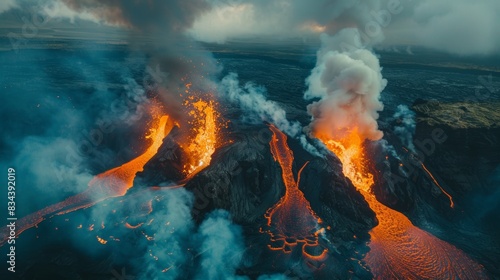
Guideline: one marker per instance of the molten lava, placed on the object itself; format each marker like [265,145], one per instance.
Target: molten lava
[398,249]
[118,180]
[291,221]
[415,157]
[112,183]
[351,153]
[438,185]
[101,240]
[203,137]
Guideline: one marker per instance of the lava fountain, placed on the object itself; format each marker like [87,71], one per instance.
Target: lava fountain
[291,221]
[203,135]
[398,249]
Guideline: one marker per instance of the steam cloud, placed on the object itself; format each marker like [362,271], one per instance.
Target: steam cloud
[252,101]
[405,126]
[256,108]
[221,247]
[66,134]
[347,80]
[218,243]
[173,229]
[180,248]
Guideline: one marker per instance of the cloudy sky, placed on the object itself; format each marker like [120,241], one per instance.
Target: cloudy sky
[460,26]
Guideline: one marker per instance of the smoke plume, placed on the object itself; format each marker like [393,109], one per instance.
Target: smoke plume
[347,80]
[171,245]
[217,244]
[158,29]
[257,108]
[221,247]
[405,126]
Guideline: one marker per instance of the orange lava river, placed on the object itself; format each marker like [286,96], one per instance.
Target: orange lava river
[112,183]
[292,223]
[203,136]
[398,249]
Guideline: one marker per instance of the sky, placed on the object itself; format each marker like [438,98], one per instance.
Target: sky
[462,27]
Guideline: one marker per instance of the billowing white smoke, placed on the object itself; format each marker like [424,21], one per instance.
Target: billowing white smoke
[257,108]
[347,80]
[405,126]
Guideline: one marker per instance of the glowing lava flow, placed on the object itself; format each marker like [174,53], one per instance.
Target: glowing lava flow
[398,249]
[452,204]
[292,221]
[112,183]
[438,185]
[118,180]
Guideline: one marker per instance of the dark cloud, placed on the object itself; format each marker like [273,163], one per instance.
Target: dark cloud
[171,16]
[459,27]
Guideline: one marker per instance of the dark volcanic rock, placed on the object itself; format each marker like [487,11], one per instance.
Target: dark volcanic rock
[468,165]
[335,200]
[459,144]
[467,160]
[241,178]
[244,179]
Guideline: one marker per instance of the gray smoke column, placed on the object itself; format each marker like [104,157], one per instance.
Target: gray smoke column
[255,106]
[158,29]
[347,80]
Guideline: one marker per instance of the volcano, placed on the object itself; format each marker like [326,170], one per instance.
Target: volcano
[250,140]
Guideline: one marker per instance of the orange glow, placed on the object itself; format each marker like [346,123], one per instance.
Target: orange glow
[127,225]
[291,221]
[102,241]
[112,183]
[398,249]
[204,135]
[119,179]
[351,153]
[439,186]
[314,27]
